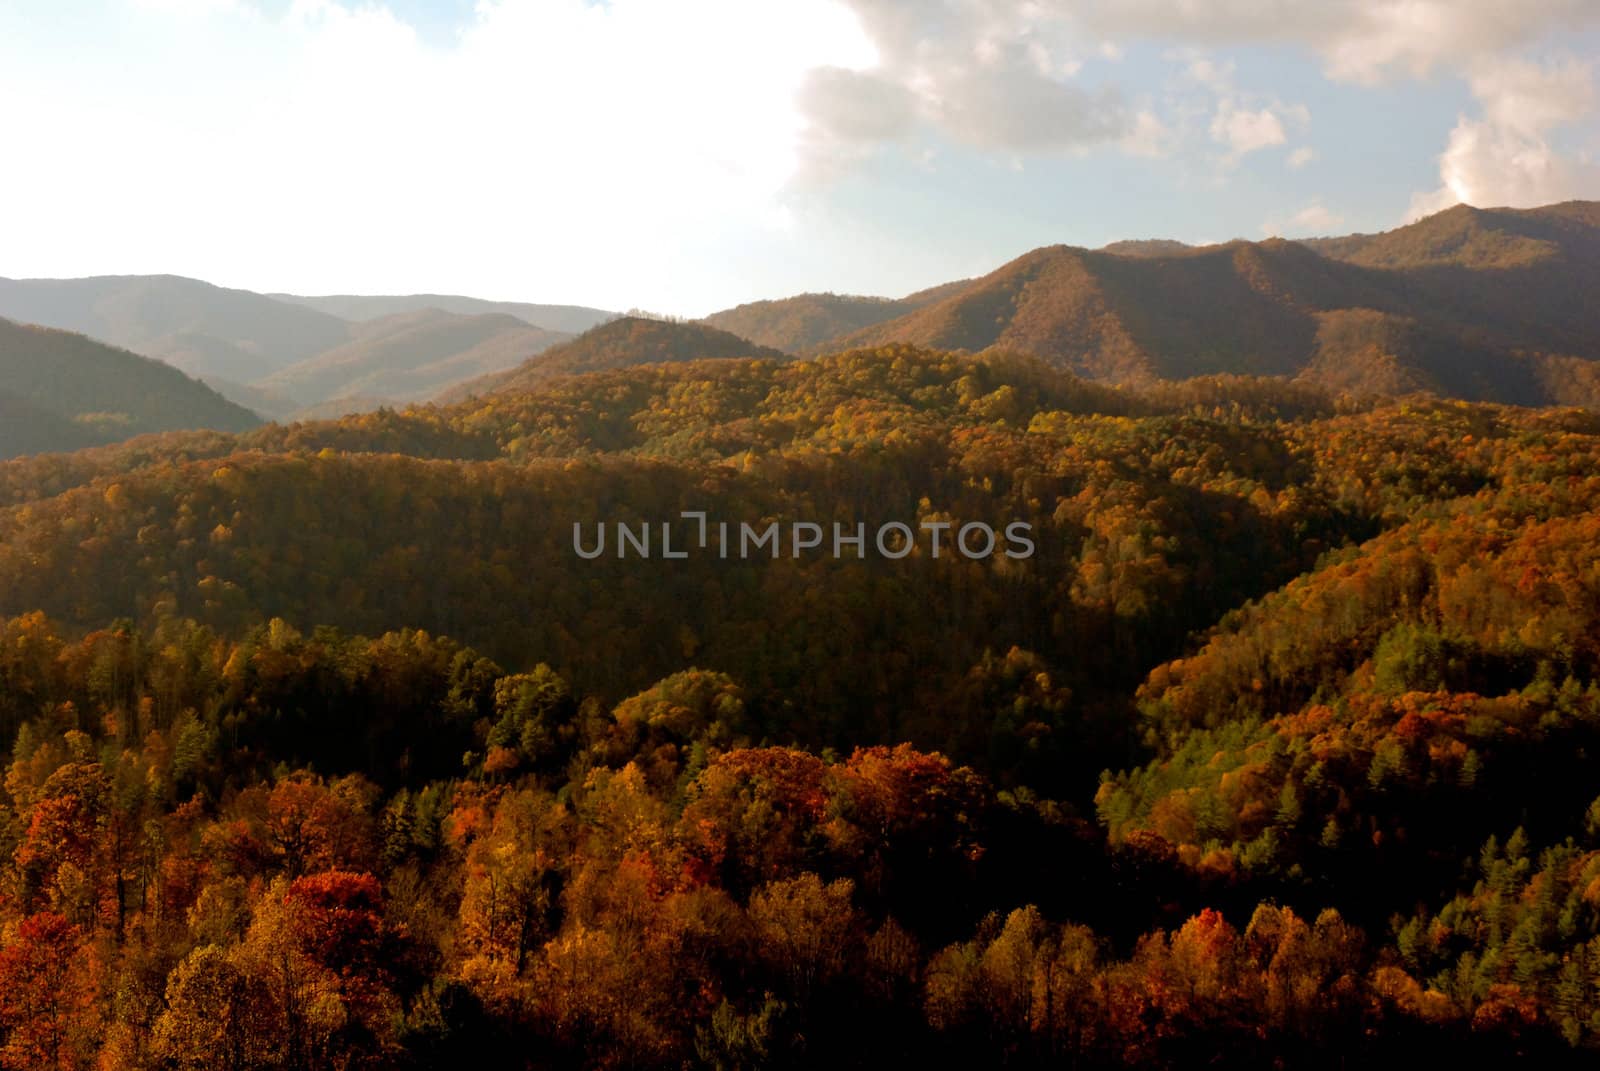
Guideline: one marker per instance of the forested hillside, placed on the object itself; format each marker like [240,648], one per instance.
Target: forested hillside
[328,749]
[625,342]
[1486,305]
[61,391]
[27,429]
[806,323]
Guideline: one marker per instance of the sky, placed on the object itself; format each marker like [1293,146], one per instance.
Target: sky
[682,156]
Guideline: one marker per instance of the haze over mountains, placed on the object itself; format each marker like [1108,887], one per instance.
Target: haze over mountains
[203,330]
[280,354]
[569,319]
[1481,304]
[410,356]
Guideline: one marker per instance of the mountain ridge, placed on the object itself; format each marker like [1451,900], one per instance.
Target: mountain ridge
[397,357]
[571,319]
[70,391]
[1481,303]
[622,343]
[1508,290]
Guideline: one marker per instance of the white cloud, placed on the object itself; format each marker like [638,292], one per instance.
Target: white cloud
[189,7]
[1244,131]
[558,150]
[1314,220]
[1412,37]
[998,76]
[1358,40]
[587,151]
[1148,137]
[1528,97]
[857,105]
[1505,158]
[851,113]
[1240,121]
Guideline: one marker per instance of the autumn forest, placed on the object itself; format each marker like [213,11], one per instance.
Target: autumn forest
[327,752]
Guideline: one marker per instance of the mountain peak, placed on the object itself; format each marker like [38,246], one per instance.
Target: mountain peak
[621,343]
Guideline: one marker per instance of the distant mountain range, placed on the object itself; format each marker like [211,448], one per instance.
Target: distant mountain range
[398,356]
[201,329]
[63,391]
[1481,304]
[279,354]
[569,319]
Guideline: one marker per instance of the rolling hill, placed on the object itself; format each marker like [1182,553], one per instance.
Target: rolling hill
[1468,237]
[804,324]
[329,679]
[1482,304]
[572,319]
[1147,247]
[281,354]
[358,743]
[269,403]
[62,391]
[201,329]
[411,356]
[622,343]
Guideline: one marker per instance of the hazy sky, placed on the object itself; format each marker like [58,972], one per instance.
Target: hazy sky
[686,155]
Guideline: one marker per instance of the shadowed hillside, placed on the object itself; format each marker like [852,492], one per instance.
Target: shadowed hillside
[27,429]
[1490,305]
[64,391]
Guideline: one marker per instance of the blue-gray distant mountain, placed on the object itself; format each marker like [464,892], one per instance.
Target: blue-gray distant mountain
[411,356]
[571,319]
[204,330]
[280,354]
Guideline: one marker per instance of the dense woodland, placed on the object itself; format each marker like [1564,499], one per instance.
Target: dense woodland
[61,391]
[326,751]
